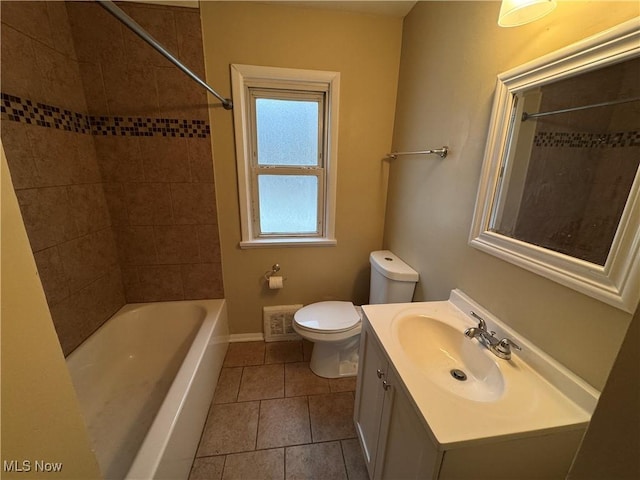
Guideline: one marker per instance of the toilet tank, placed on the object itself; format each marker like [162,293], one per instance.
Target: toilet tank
[392,280]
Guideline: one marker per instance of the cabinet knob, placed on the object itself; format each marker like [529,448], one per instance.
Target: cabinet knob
[386,385]
[380,373]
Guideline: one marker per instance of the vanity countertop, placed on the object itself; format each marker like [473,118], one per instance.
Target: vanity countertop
[538,394]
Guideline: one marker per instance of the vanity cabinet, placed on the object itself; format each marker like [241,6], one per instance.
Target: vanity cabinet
[394,440]
[397,442]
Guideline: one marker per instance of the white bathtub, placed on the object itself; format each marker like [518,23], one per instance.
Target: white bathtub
[145,381]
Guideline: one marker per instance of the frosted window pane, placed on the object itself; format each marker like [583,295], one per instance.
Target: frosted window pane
[288,203]
[287,132]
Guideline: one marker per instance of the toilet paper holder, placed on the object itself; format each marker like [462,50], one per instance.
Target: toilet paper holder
[275,268]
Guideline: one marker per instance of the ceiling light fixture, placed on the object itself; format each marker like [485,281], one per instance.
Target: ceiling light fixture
[519,12]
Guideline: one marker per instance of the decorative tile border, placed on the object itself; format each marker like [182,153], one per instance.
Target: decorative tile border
[148,127]
[20,110]
[587,140]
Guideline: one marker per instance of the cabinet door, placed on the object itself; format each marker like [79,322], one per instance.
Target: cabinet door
[405,450]
[372,367]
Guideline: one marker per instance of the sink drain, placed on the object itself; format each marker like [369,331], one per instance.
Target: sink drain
[458,374]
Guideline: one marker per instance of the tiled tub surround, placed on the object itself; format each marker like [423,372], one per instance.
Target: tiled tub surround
[56,174]
[159,184]
[115,186]
[272,417]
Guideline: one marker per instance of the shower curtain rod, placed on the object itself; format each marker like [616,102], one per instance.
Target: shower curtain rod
[526,116]
[114,10]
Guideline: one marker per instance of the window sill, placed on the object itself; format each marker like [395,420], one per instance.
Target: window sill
[288,242]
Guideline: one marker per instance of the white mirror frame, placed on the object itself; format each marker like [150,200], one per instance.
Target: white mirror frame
[617,283]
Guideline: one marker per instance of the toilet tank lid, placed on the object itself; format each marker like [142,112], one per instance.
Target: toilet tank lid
[392,266]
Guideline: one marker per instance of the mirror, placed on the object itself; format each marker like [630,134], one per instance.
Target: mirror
[560,182]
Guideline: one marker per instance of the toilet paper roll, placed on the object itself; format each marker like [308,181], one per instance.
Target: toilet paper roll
[275,282]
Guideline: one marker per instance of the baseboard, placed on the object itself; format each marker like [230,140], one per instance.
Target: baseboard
[246,337]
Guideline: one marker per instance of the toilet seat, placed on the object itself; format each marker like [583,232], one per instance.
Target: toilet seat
[327,317]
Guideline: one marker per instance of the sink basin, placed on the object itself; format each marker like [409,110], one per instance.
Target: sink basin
[449,359]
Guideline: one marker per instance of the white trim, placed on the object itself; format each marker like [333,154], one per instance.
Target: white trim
[259,76]
[246,337]
[289,242]
[617,283]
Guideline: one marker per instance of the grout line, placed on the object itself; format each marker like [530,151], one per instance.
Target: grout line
[239,386]
[284,459]
[310,424]
[255,444]
[344,460]
[212,456]
[224,465]
[276,448]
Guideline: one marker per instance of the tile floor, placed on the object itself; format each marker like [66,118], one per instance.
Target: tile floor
[273,418]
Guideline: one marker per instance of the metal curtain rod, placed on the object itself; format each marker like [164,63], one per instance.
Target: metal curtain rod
[114,10]
[527,116]
[438,151]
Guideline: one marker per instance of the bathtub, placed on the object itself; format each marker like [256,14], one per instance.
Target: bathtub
[145,380]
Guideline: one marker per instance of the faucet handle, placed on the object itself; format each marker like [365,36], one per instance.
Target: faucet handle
[481,323]
[504,346]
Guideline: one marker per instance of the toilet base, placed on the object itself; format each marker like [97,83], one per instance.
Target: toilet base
[335,359]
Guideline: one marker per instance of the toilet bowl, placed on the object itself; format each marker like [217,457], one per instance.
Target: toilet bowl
[334,328]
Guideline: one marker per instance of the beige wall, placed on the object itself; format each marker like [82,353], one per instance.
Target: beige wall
[365,49]
[451,54]
[40,415]
[611,444]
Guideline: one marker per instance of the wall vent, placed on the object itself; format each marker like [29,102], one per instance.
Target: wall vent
[278,323]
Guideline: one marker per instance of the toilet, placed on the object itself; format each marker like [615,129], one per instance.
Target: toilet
[334,326]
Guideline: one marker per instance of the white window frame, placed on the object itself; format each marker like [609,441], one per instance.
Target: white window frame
[246,79]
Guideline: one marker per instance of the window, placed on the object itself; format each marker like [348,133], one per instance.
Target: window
[286,144]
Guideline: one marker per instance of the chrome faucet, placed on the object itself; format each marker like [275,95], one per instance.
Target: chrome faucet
[500,348]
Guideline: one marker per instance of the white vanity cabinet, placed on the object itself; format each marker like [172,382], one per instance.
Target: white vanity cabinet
[398,443]
[393,437]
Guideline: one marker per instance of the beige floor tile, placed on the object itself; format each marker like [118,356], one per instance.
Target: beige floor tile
[345,384]
[230,428]
[245,353]
[331,416]
[300,380]
[354,460]
[262,381]
[228,385]
[262,464]
[283,422]
[319,461]
[252,434]
[284,352]
[207,468]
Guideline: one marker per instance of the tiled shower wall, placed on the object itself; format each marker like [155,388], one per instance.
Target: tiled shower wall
[154,148]
[109,151]
[55,172]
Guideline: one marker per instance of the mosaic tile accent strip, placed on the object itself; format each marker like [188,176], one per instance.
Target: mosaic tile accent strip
[148,127]
[20,110]
[24,111]
[587,140]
